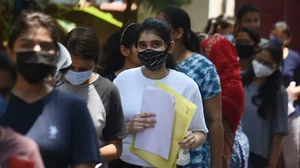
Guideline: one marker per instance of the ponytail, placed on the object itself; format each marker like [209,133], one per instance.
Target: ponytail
[112,59]
[191,41]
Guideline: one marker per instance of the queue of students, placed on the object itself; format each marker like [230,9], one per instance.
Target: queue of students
[78,106]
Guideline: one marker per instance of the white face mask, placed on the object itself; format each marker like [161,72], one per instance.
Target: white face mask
[78,78]
[261,70]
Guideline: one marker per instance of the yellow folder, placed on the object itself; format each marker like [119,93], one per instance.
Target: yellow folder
[184,112]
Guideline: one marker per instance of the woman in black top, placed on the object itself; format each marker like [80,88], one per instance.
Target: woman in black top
[58,122]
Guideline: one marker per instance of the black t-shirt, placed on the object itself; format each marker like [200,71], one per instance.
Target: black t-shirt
[60,124]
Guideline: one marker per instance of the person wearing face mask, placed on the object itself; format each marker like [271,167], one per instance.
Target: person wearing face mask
[281,33]
[188,61]
[59,123]
[222,53]
[246,43]
[114,61]
[13,144]
[154,46]
[266,106]
[100,94]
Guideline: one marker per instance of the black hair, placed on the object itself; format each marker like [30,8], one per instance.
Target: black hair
[268,91]
[212,24]
[246,8]
[253,34]
[178,18]
[284,27]
[7,65]
[112,59]
[161,29]
[31,19]
[83,42]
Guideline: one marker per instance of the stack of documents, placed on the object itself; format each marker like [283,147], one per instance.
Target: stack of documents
[159,146]
[158,139]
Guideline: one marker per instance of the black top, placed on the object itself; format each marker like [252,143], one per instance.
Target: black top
[61,126]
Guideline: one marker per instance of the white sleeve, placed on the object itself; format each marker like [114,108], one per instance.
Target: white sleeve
[116,81]
[198,121]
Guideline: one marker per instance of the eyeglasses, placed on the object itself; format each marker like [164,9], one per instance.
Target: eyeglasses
[264,62]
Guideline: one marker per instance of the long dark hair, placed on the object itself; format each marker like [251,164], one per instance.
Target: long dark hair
[268,91]
[112,59]
[161,29]
[178,18]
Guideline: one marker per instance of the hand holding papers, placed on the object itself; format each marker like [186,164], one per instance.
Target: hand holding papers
[184,112]
[142,121]
[158,139]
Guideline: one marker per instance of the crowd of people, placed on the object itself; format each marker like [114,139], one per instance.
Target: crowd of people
[77,104]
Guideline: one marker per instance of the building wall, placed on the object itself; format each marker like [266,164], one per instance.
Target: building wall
[198,11]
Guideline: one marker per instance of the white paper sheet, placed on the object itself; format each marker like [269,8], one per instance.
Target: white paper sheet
[158,139]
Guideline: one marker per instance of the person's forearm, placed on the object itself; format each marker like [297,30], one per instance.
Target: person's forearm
[111,151]
[216,143]
[200,139]
[275,151]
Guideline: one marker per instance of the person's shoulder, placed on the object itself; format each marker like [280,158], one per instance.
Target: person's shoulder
[294,54]
[185,80]
[202,60]
[202,65]
[127,74]
[67,98]
[104,84]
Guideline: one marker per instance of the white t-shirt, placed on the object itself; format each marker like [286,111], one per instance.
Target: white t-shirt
[131,84]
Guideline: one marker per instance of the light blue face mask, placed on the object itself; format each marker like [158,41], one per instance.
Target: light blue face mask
[78,78]
[230,37]
[3,105]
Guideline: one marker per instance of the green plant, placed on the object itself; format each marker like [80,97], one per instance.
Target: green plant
[6,10]
[152,5]
[155,5]
[67,25]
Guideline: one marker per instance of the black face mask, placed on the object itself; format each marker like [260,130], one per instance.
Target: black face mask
[245,51]
[35,66]
[153,60]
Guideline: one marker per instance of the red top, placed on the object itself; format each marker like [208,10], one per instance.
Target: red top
[18,151]
[223,54]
